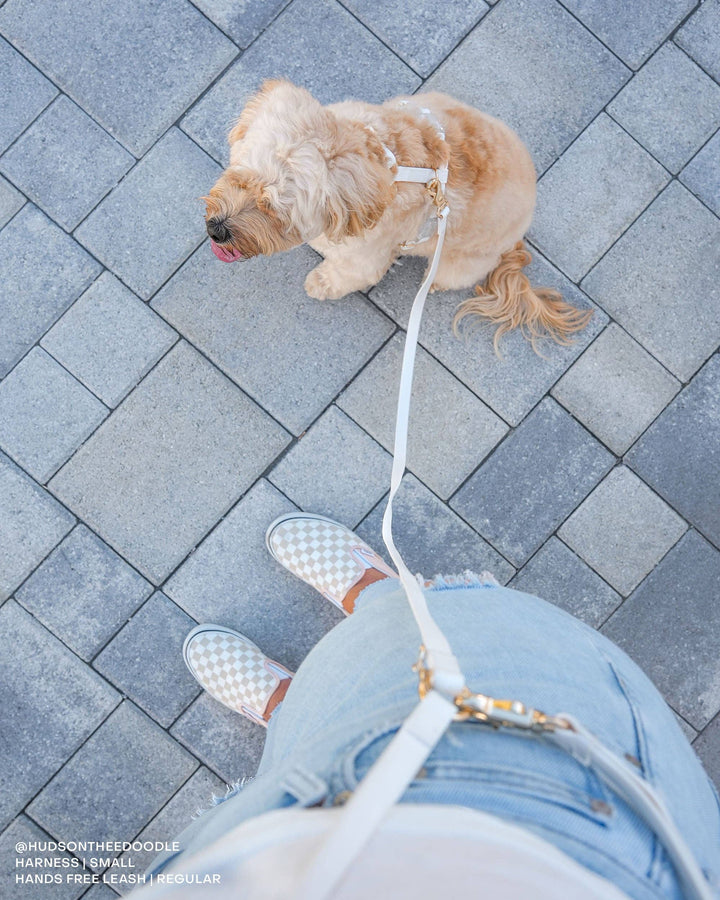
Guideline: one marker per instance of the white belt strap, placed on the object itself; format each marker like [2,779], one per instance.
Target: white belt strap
[387,780]
[640,796]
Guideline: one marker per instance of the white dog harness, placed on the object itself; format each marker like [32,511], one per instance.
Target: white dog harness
[431,178]
[444,695]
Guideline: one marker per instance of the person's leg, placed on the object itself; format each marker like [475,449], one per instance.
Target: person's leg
[356,686]
[514,645]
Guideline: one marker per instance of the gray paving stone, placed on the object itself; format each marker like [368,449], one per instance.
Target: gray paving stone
[10,201]
[511,384]
[31,524]
[145,660]
[354,64]
[662,284]
[83,592]
[431,538]
[451,430]
[622,529]
[530,484]
[290,352]
[232,580]
[699,37]
[137,87]
[632,30]
[154,219]
[244,21]
[702,174]
[557,575]
[24,830]
[415,31]
[52,702]
[109,339]
[671,107]
[707,747]
[24,92]
[118,780]
[227,742]
[592,194]
[194,796]
[671,628]
[42,271]
[45,414]
[616,389]
[336,469]
[65,162]
[169,462]
[678,455]
[530,63]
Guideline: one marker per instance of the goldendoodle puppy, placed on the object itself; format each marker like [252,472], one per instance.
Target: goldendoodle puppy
[303,173]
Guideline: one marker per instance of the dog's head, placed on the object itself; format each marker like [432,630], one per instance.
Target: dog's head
[296,171]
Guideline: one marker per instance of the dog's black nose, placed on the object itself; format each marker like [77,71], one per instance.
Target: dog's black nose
[218,230]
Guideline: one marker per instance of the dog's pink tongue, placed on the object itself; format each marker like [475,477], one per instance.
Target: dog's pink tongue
[224,254]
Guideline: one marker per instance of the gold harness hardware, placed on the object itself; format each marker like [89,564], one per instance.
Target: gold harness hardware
[482,708]
[436,194]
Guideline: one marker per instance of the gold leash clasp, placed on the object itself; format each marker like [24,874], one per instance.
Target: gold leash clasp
[424,674]
[435,192]
[491,711]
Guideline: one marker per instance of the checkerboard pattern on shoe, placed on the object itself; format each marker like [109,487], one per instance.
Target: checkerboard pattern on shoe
[323,553]
[232,669]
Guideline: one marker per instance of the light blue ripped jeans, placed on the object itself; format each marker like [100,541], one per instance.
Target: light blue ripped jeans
[356,687]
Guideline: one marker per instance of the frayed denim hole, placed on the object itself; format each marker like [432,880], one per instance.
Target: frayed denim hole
[231,790]
[466,580]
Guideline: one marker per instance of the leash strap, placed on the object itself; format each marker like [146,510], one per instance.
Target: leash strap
[448,678]
[640,796]
[444,695]
[381,789]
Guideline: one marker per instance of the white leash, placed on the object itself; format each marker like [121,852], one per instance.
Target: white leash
[387,780]
[641,797]
[444,694]
[448,676]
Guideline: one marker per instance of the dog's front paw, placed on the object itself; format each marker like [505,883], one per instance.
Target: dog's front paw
[320,284]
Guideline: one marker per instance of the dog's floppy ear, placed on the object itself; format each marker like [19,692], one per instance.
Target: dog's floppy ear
[239,129]
[359,183]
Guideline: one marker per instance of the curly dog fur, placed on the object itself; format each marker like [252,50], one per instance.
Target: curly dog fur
[303,173]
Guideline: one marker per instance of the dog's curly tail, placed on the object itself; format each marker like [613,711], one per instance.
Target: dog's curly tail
[507,298]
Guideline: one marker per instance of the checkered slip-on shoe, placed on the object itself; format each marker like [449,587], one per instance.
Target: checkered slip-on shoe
[323,553]
[233,670]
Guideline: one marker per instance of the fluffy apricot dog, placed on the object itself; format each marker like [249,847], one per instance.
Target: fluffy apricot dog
[303,173]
